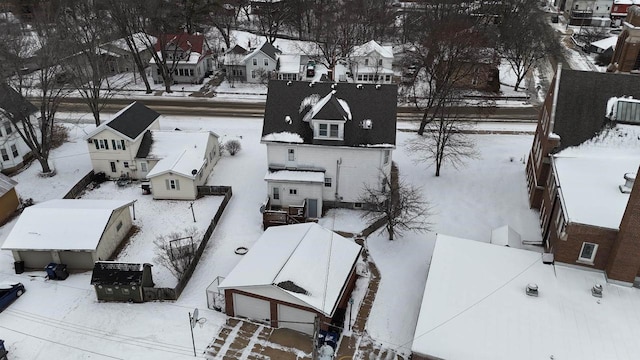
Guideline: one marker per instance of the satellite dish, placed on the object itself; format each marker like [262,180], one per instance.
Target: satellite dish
[194,318]
[194,171]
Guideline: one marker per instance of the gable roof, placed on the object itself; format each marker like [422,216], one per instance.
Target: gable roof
[12,102]
[371,46]
[307,256]
[181,152]
[266,49]
[6,184]
[291,104]
[131,122]
[581,102]
[475,295]
[117,273]
[193,42]
[55,225]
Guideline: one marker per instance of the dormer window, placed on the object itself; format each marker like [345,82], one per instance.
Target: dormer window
[329,130]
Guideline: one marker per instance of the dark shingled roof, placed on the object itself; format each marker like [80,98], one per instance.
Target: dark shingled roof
[377,103]
[13,103]
[582,102]
[114,273]
[134,120]
[145,145]
[269,50]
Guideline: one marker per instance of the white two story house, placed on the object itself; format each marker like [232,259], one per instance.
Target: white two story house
[188,55]
[325,142]
[261,63]
[372,63]
[14,152]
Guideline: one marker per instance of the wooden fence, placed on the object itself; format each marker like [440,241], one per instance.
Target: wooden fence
[79,187]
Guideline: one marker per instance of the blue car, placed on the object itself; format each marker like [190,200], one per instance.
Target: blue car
[10,292]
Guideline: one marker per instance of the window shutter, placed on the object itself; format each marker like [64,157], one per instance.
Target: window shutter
[95,142]
[113,142]
[123,147]
[106,144]
[177,184]
[168,184]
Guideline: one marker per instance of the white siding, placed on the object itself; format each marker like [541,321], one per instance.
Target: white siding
[260,57]
[114,233]
[252,308]
[185,189]
[303,191]
[358,166]
[296,319]
[101,158]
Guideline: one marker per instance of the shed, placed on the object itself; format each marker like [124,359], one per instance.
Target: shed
[117,281]
[292,275]
[9,200]
[69,231]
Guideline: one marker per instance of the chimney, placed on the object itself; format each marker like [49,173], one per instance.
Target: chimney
[624,259]
[629,178]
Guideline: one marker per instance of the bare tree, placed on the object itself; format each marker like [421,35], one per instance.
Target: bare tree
[124,15]
[84,31]
[397,204]
[524,37]
[37,76]
[271,18]
[176,250]
[232,146]
[444,140]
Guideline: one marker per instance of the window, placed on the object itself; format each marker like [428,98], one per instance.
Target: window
[113,166]
[379,62]
[143,166]
[255,62]
[322,130]
[125,291]
[14,150]
[190,72]
[293,191]
[327,182]
[125,164]
[387,78]
[357,205]
[108,291]
[7,128]
[366,62]
[104,144]
[119,226]
[291,154]
[95,142]
[387,154]
[253,73]
[333,130]
[117,144]
[266,62]
[172,184]
[588,253]
[325,130]
[276,193]
[5,155]
[122,143]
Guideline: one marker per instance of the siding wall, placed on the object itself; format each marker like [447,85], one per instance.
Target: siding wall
[112,237]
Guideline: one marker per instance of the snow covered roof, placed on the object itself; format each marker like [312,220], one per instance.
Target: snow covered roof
[180,152]
[506,236]
[372,46]
[6,184]
[289,64]
[131,122]
[139,42]
[63,224]
[266,48]
[292,104]
[295,176]
[307,255]
[606,43]
[283,136]
[12,102]
[581,102]
[475,295]
[597,168]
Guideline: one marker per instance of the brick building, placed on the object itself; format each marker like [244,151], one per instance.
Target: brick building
[585,153]
[626,57]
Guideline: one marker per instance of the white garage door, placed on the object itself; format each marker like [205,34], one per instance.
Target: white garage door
[295,319]
[252,308]
[82,260]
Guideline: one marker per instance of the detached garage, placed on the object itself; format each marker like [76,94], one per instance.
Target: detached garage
[73,232]
[292,275]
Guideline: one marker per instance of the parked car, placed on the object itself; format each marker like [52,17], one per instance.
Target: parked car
[9,293]
[311,68]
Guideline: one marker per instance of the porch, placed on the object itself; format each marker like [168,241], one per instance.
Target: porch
[274,215]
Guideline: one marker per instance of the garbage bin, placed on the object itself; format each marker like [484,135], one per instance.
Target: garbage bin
[61,272]
[51,271]
[19,267]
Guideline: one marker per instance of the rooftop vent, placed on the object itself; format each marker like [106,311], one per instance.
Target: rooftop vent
[366,124]
[312,83]
[532,290]
[194,171]
[334,85]
[596,290]
[547,258]
[289,83]
[287,119]
[378,87]
[629,178]
[359,86]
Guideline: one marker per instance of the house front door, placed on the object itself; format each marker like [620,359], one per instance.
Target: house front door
[113,166]
[312,208]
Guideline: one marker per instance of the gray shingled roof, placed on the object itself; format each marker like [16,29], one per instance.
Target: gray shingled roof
[145,145]
[582,102]
[269,50]
[134,120]
[13,103]
[284,111]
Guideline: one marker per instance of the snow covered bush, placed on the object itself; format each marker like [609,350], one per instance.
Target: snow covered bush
[232,146]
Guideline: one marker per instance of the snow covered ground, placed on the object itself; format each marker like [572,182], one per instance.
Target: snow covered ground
[63,320]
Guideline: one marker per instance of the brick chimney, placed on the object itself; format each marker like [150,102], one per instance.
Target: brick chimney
[624,259]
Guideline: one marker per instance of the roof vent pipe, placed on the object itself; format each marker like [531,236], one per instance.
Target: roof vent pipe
[629,179]
[596,290]
[532,289]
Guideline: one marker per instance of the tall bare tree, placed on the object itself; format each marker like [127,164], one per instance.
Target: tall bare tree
[36,70]
[444,139]
[399,206]
[272,16]
[524,37]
